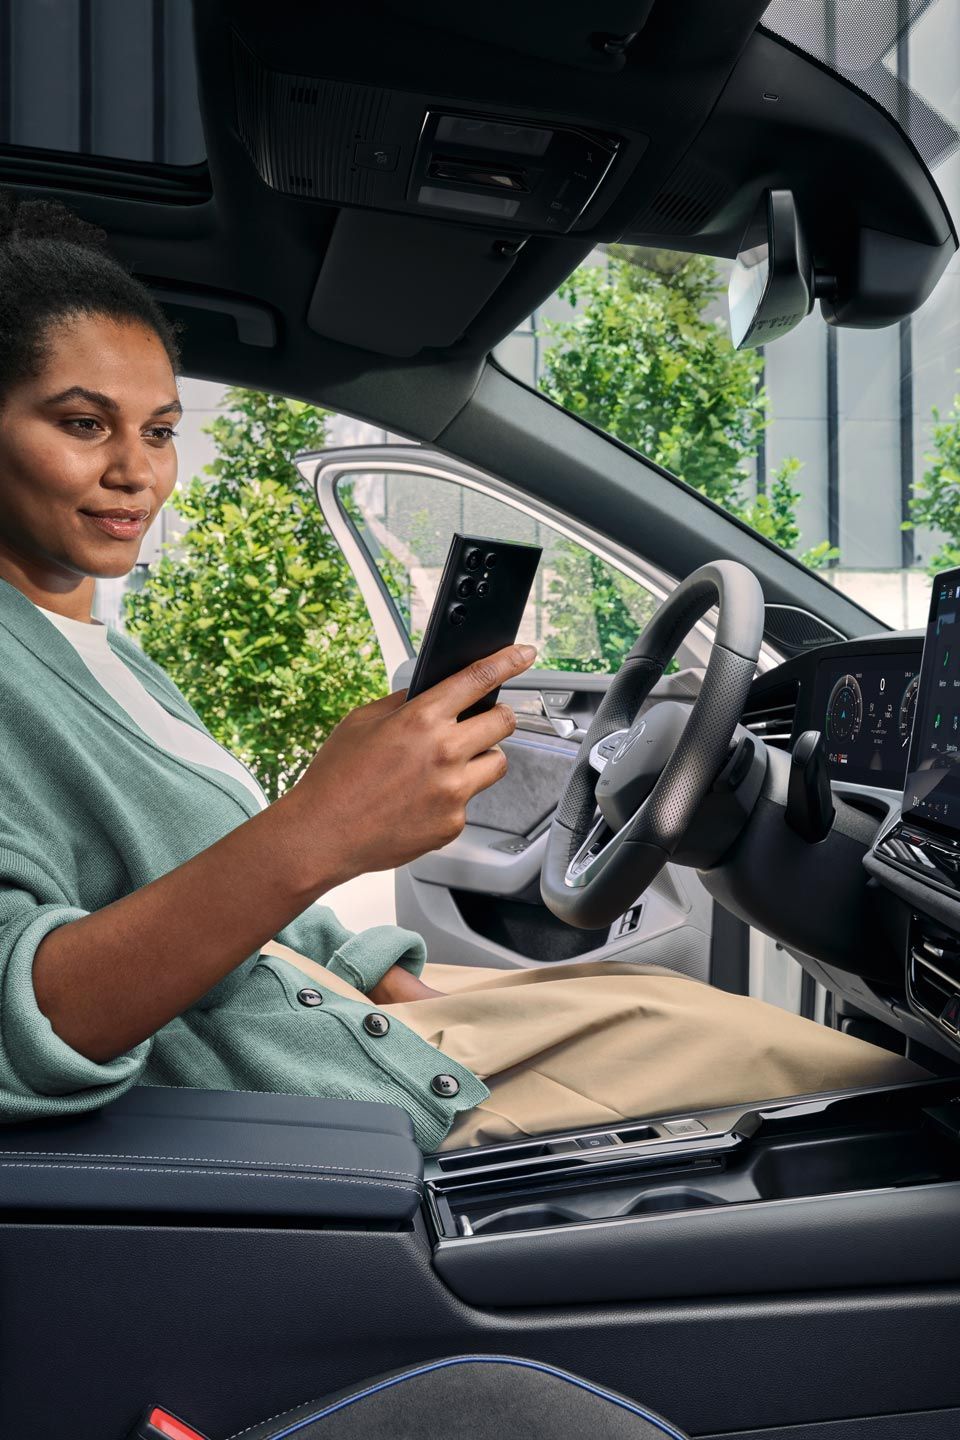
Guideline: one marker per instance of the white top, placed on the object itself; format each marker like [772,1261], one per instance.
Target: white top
[173,734]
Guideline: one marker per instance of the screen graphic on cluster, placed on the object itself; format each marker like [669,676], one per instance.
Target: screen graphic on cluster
[932,788]
[866,715]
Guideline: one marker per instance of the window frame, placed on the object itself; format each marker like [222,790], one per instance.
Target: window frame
[324,469]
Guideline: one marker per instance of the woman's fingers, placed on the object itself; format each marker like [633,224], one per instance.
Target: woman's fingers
[485,770]
[451,697]
[481,732]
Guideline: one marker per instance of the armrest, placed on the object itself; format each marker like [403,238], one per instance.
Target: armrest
[209,1152]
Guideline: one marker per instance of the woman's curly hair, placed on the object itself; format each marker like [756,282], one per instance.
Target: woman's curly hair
[53,266]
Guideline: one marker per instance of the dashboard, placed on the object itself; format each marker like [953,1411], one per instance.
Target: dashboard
[891,730]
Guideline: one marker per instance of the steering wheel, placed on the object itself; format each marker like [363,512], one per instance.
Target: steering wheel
[659,772]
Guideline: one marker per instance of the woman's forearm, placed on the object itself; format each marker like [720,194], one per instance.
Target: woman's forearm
[114,977]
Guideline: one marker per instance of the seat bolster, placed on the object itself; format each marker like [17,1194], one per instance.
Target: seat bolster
[475,1397]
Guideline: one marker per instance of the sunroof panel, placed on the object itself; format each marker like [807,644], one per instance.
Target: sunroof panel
[110,78]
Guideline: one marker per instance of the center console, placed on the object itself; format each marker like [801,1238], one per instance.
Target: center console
[793,1195]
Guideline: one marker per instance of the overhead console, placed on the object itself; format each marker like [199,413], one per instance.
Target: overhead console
[535,177]
[423,154]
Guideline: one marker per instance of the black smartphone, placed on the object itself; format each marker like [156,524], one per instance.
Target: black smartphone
[483,591]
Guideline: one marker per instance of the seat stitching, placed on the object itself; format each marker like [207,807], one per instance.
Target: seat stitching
[212,1160]
[270,1418]
[232,1174]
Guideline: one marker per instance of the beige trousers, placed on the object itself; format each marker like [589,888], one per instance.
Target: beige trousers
[597,1043]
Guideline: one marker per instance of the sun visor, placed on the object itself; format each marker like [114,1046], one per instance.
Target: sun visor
[396,284]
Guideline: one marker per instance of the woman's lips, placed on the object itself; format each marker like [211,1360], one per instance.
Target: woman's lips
[120,529]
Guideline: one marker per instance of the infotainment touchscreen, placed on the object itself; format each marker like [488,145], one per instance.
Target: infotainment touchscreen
[931,791]
[864,707]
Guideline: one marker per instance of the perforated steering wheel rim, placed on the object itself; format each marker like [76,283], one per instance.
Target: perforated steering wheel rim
[589,885]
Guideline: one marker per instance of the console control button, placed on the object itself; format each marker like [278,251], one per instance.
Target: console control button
[595,1142]
[686,1126]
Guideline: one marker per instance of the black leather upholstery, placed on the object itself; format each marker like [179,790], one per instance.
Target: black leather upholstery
[474,1397]
[217,1152]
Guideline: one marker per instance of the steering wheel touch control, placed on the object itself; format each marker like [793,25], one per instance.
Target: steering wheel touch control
[658,770]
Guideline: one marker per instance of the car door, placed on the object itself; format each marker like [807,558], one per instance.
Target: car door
[476,901]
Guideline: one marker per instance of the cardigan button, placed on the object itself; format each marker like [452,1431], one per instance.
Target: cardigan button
[309,997]
[376,1024]
[445,1085]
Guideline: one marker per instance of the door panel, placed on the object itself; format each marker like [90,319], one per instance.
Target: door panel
[477,901]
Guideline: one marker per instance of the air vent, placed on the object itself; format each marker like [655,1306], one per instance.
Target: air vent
[771,715]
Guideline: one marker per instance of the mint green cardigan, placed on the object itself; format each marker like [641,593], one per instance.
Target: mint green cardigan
[91,809]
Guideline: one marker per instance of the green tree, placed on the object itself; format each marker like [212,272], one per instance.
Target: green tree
[936,496]
[774,515]
[254,613]
[642,359]
[596,613]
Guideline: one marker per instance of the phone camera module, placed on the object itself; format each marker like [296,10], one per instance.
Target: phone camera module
[465,587]
[458,613]
[490,559]
[473,559]
[483,587]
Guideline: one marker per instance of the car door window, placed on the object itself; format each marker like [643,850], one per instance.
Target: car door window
[583,614]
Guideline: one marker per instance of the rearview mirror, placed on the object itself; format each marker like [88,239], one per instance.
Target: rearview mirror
[771,288]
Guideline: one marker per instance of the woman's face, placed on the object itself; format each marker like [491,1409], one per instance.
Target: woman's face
[92,432]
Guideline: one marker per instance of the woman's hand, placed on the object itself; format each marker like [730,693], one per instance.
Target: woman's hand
[398,985]
[392,780]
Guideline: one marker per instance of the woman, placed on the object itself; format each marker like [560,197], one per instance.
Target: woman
[159,921]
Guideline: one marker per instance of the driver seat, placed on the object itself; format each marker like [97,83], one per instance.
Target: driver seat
[475,1397]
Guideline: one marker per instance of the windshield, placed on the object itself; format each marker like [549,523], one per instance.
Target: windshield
[840,445]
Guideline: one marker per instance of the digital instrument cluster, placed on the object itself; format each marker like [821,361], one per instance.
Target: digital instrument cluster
[865,709]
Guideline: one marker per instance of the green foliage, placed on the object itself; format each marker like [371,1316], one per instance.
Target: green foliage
[773,515]
[254,613]
[596,613]
[936,496]
[643,360]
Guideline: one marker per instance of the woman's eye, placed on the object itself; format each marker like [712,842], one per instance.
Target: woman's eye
[162,432]
[85,424]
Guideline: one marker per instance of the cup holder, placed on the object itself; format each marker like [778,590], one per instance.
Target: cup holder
[678,1197]
[650,1201]
[523,1217]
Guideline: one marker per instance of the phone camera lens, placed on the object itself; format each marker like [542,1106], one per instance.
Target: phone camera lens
[490,560]
[465,587]
[458,613]
[483,587]
[473,559]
